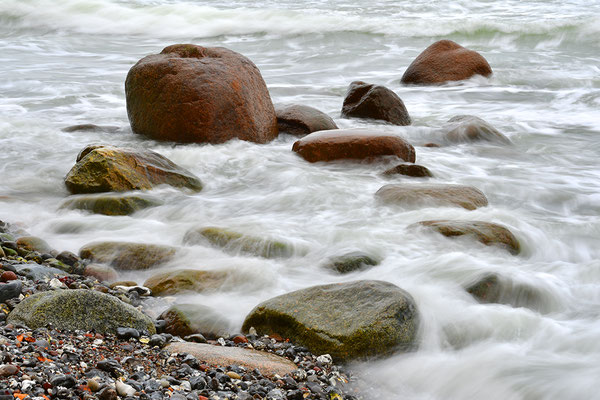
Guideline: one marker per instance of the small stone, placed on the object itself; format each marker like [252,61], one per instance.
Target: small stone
[93,384]
[10,290]
[237,339]
[108,394]
[56,284]
[8,276]
[8,370]
[67,381]
[414,170]
[233,375]
[127,333]
[124,389]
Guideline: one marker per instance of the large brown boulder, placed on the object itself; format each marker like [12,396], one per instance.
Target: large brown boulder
[423,195]
[366,100]
[189,93]
[358,144]
[487,233]
[128,256]
[301,120]
[468,128]
[445,61]
[111,169]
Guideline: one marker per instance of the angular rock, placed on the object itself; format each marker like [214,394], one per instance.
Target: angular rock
[445,61]
[91,128]
[301,120]
[486,232]
[353,320]
[111,204]
[267,363]
[235,242]
[468,128]
[358,144]
[443,195]
[189,93]
[414,170]
[187,319]
[111,169]
[79,309]
[351,262]
[128,256]
[33,243]
[366,100]
[104,273]
[179,281]
[494,288]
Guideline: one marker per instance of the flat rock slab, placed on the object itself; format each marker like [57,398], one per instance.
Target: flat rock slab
[268,364]
[356,144]
[432,195]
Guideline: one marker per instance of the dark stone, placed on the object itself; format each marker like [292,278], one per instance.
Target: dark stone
[127,333]
[365,100]
[301,120]
[10,290]
[91,128]
[414,170]
[468,128]
[351,262]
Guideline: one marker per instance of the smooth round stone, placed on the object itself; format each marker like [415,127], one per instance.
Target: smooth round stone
[8,276]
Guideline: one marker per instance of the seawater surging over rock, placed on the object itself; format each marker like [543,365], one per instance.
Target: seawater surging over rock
[189,93]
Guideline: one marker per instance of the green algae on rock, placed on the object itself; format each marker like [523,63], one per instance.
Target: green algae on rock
[354,320]
[110,204]
[79,309]
[128,256]
[351,262]
[178,281]
[237,242]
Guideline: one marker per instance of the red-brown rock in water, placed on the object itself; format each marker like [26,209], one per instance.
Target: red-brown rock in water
[365,100]
[300,120]
[189,93]
[358,144]
[445,61]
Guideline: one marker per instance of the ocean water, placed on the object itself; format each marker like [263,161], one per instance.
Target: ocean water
[64,62]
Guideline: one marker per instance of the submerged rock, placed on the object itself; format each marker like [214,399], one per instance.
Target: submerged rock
[424,195]
[104,273]
[111,169]
[179,281]
[110,204]
[236,242]
[187,319]
[445,61]
[91,128]
[414,170]
[351,262]
[349,321]
[494,288]
[365,100]
[468,128]
[33,243]
[78,309]
[189,93]
[128,256]
[357,144]
[301,120]
[486,232]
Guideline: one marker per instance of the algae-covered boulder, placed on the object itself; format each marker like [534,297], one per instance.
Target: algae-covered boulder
[128,256]
[351,262]
[179,281]
[353,320]
[235,242]
[111,169]
[187,319]
[79,309]
[110,204]
[487,233]
[468,128]
[423,195]
[34,243]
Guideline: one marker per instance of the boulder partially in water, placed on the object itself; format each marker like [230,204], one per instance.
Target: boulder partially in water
[366,100]
[414,170]
[102,272]
[111,169]
[300,120]
[350,262]
[189,93]
[423,195]
[352,144]
[445,61]
[186,280]
[349,321]
[468,128]
[91,128]
[187,319]
[34,243]
[487,233]
[128,256]
[495,288]
[111,204]
[79,309]
[235,242]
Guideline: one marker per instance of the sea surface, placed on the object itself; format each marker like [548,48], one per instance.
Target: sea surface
[64,62]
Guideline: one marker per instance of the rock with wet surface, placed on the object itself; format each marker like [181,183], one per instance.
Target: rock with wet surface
[186,319]
[366,100]
[91,128]
[37,272]
[353,320]
[432,195]
[10,290]
[495,288]
[414,170]
[128,256]
[300,120]
[468,128]
[110,204]
[350,262]
[33,243]
[185,280]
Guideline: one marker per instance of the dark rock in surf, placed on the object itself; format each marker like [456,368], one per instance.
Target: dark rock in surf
[495,288]
[189,93]
[366,100]
[413,170]
[350,262]
[445,61]
[301,120]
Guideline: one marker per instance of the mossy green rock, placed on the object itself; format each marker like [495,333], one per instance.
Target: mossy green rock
[354,320]
[128,256]
[487,233]
[111,169]
[179,281]
[351,262]
[110,204]
[79,309]
[33,243]
[186,319]
[235,242]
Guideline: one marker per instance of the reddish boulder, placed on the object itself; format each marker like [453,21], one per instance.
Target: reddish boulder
[365,100]
[356,144]
[189,93]
[445,61]
[301,120]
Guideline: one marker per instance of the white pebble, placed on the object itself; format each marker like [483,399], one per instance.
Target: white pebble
[124,389]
